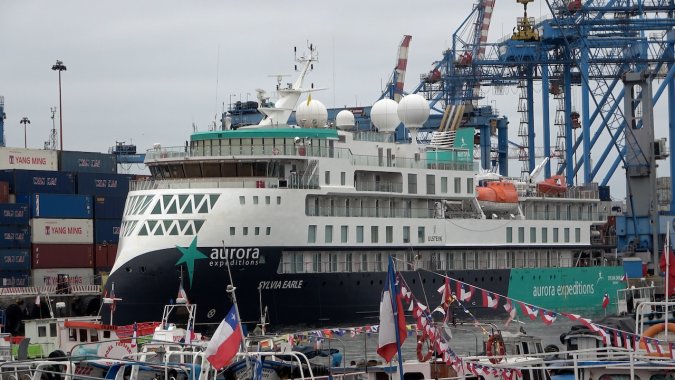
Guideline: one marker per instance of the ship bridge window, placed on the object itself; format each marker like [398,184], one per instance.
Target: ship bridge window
[509,234]
[72,335]
[93,335]
[444,185]
[431,184]
[232,231]
[329,234]
[52,329]
[211,169]
[389,234]
[344,234]
[257,231]
[42,331]
[193,170]
[533,234]
[359,234]
[83,335]
[177,171]
[577,235]
[268,230]
[406,234]
[374,234]
[567,235]
[521,234]
[458,185]
[420,234]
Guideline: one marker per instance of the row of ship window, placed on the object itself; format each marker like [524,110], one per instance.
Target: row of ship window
[318,262]
[329,234]
[543,238]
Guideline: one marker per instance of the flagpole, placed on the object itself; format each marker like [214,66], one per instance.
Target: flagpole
[393,292]
[230,289]
[667,253]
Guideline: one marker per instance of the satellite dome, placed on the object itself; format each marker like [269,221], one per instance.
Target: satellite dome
[413,110]
[383,115]
[344,120]
[311,114]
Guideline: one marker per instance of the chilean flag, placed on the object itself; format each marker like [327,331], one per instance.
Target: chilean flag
[392,332]
[225,342]
[530,311]
[548,317]
[464,296]
[490,299]
[605,301]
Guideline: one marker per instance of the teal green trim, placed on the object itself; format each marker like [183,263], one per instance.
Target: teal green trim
[259,133]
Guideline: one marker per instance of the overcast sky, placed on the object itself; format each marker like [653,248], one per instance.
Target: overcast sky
[145,71]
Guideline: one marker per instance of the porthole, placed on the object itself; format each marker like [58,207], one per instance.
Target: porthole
[128,269]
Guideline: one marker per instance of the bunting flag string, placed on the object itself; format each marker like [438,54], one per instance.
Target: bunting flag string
[465,292]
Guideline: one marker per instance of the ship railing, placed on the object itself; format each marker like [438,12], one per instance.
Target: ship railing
[293,182]
[384,212]
[573,214]
[459,162]
[382,186]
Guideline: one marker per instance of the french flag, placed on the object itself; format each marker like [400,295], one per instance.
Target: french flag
[392,332]
[225,342]
[490,300]
[548,317]
[530,311]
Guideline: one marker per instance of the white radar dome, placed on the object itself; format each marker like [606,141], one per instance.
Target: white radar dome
[383,115]
[344,120]
[413,110]
[311,114]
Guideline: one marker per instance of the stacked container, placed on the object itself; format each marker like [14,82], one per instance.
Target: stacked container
[62,236]
[60,216]
[109,193]
[14,244]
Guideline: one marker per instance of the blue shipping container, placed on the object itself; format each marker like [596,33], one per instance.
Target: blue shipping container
[39,181]
[14,213]
[14,237]
[103,184]
[61,206]
[107,231]
[89,162]
[15,259]
[109,207]
[10,279]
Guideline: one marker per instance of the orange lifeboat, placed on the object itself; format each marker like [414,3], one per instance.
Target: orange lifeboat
[552,186]
[497,196]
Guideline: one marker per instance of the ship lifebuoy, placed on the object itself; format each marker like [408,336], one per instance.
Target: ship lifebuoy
[423,357]
[653,331]
[275,151]
[495,348]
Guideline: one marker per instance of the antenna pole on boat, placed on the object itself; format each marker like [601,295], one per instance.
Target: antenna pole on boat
[231,289]
[667,253]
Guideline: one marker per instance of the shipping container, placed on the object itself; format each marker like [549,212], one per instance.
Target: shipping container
[4,192]
[14,213]
[39,181]
[14,259]
[62,231]
[44,256]
[62,206]
[90,162]
[104,257]
[107,231]
[14,278]
[103,184]
[14,237]
[59,276]
[109,207]
[28,159]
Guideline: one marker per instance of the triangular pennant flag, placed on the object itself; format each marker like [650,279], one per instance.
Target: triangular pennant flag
[462,294]
[490,299]
[548,317]
[529,310]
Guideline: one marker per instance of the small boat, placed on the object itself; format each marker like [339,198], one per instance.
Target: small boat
[552,186]
[497,196]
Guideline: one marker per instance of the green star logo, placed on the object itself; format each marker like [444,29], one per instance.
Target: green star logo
[190,254]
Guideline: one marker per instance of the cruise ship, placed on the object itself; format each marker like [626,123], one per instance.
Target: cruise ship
[306,215]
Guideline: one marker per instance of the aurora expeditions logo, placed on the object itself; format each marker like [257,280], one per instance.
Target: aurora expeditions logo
[218,257]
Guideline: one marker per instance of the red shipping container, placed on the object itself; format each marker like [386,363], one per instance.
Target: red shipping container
[104,257]
[112,253]
[62,256]
[4,192]
[101,256]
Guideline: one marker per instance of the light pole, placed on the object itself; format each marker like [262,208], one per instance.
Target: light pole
[25,121]
[59,66]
